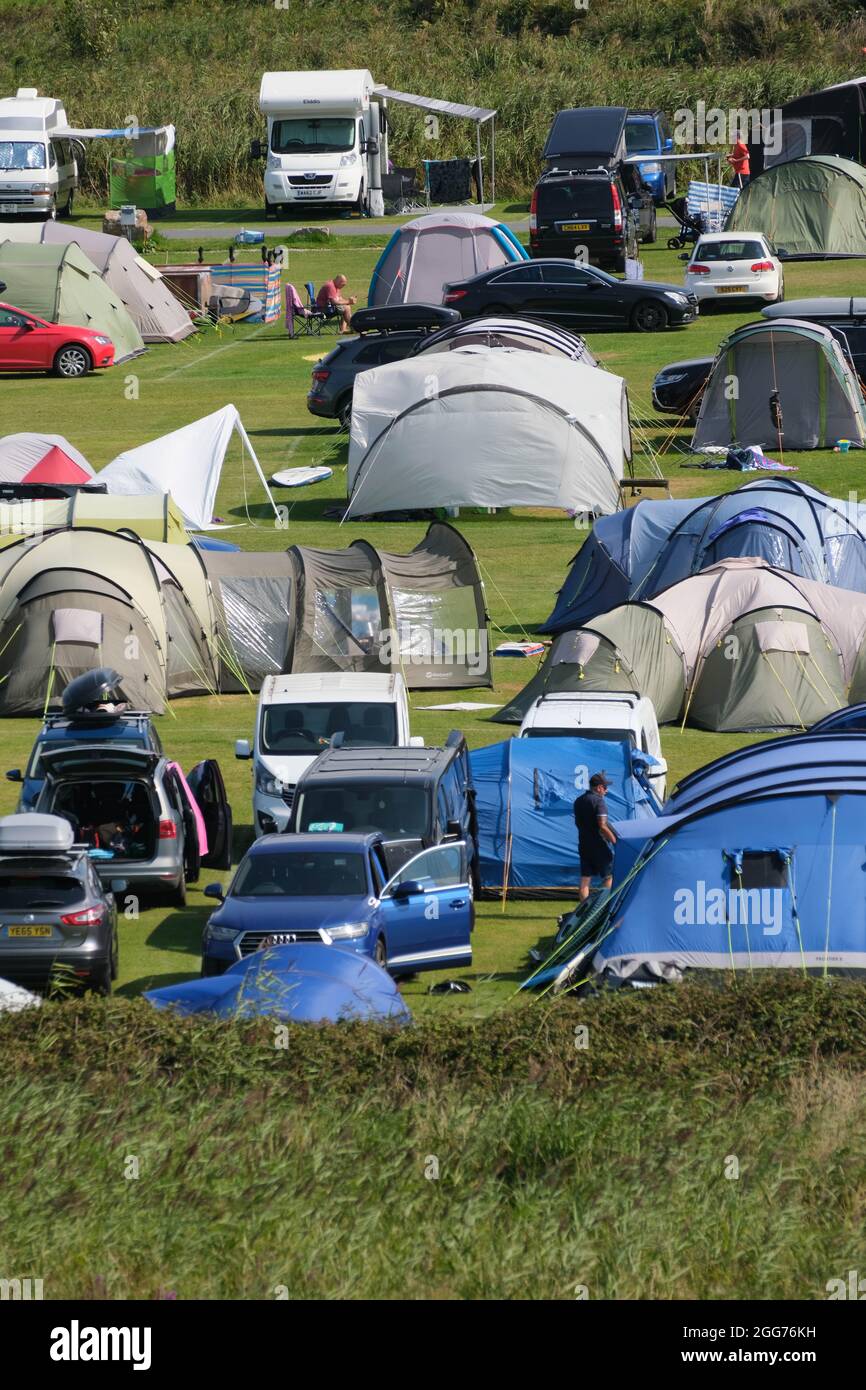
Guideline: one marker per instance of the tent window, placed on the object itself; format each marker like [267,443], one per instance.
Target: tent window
[347,624]
[257,618]
[782,637]
[77,625]
[762,869]
[438,628]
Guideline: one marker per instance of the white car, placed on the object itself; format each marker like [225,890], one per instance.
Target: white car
[600,715]
[735,265]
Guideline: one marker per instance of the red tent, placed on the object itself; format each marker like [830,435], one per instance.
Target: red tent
[56,467]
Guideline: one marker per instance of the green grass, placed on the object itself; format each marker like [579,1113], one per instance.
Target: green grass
[523,557]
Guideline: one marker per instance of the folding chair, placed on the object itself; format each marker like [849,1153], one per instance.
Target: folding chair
[316,319]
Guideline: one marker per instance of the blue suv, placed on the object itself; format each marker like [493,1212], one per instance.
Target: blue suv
[129,729]
[648,132]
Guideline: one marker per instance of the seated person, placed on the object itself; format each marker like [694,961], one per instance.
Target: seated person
[330,300]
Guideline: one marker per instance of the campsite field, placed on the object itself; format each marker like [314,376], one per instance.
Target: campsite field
[523,557]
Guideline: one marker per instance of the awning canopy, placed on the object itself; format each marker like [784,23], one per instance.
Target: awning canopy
[443,108]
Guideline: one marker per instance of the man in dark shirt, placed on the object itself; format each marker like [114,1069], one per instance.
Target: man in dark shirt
[595,839]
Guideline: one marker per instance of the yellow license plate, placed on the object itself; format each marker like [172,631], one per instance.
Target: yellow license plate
[575,226]
[29,931]
[731,289]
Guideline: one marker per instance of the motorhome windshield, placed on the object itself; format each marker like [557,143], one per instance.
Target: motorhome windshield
[309,728]
[319,135]
[22,154]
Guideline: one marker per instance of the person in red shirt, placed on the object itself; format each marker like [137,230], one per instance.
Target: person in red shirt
[330,298]
[739,162]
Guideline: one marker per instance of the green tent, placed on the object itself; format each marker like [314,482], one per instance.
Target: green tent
[60,284]
[810,208]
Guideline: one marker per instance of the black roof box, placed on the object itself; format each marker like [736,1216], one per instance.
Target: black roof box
[389,318]
[90,688]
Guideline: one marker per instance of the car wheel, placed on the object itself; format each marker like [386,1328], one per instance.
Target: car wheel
[66,210]
[344,414]
[653,231]
[649,317]
[618,263]
[72,360]
[178,897]
[380,955]
[100,982]
[114,955]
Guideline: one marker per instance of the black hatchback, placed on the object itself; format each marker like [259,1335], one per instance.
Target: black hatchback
[577,297]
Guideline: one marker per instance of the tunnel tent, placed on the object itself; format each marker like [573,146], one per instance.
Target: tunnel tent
[811,209]
[425,254]
[529,335]
[800,362]
[42,458]
[496,427]
[61,284]
[151,516]
[636,553]
[188,463]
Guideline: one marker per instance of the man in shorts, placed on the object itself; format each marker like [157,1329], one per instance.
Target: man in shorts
[331,299]
[595,839]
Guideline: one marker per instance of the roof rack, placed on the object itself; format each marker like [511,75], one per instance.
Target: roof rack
[95,716]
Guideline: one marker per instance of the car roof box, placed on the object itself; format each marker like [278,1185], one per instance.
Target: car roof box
[89,688]
[32,833]
[392,317]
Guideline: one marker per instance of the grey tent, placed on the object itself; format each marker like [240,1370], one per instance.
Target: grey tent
[426,253]
[739,646]
[178,620]
[530,335]
[800,363]
[810,208]
[487,427]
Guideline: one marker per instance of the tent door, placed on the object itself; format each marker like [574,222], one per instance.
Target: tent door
[207,786]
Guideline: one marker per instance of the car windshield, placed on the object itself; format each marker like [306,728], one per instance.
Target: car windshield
[398,811]
[321,135]
[729,251]
[641,138]
[582,731]
[34,768]
[22,892]
[310,728]
[310,874]
[21,154]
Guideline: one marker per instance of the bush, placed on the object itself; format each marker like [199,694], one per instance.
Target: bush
[88,29]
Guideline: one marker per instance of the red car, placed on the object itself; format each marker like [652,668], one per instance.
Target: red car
[29,344]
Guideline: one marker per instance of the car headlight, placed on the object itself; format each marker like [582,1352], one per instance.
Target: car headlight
[665,378]
[39,190]
[652,168]
[347,160]
[267,783]
[101,338]
[677,296]
[215,932]
[349,931]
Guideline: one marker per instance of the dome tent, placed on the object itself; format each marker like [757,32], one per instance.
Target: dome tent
[801,363]
[428,252]
[636,553]
[529,335]
[43,458]
[811,208]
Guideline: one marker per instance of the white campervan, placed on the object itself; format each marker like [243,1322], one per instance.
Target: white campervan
[38,165]
[323,145]
[297,718]
[600,715]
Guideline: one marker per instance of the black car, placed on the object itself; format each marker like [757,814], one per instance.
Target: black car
[386,334]
[586,214]
[58,921]
[576,297]
[417,797]
[678,387]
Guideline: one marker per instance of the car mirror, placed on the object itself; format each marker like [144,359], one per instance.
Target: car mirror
[214,890]
[256,149]
[416,741]
[453,827]
[669,143]
[242,748]
[409,888]
[119,885]
[14,774]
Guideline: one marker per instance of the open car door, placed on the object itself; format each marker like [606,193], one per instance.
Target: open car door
[207,786]
[429,911]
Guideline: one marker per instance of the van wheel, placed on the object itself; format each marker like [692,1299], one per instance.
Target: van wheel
[380,955]
[619,263]
[66,210]
[649,317]
[72,361]
[651,235]
[270,210]
[360,204]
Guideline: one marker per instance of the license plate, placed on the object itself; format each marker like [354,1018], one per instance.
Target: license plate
[731,289]
[575,226]
[29,931]
[309,192]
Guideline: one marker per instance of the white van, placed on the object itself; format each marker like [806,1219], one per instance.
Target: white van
[323,146]
[38,165]
[297,718]
[600,715]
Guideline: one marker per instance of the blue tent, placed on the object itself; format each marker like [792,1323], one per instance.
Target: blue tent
[636,553]
[309,983]
[756,861]
[525,792]
[850,719]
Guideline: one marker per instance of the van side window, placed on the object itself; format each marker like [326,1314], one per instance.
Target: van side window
[442,808]
[52,155]
[643,741]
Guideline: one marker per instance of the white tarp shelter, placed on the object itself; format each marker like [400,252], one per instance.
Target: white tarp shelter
[187,463]
[487,427]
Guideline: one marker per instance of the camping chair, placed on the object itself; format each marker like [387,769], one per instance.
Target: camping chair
[400,191]
[294,310]
[316,320]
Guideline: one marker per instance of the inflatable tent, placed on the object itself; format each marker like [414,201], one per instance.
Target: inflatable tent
[755,863]
[60,284]
[530,335]
[636,553]
[801,363]
[811,209]
[524,796]
[181,620]
[487,427]
[740,646]
[428,252]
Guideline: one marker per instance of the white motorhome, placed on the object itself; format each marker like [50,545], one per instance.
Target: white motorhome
[297,718]
[600,715]
[38,162]
[325,144]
